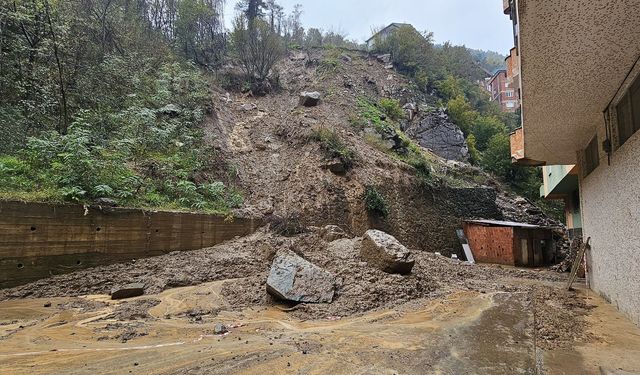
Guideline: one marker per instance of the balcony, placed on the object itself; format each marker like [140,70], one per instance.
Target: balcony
[506,5]
[518,155]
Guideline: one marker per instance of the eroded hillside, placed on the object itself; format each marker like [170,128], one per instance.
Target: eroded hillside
[272,147]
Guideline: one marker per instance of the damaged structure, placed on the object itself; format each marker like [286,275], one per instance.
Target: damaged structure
[586,112]
[509,243]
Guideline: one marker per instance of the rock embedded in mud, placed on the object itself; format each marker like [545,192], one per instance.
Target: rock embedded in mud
[220,329]
[330,233]
[128,291]
[294,279]
[385,252]
[310,99]
[385,59]
[336,167]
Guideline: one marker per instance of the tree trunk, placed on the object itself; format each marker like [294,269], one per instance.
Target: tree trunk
[63,123]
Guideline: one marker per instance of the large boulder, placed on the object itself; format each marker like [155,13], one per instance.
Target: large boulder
[437,133]
[383,251]
[295,279]
[310,99]
[127,291]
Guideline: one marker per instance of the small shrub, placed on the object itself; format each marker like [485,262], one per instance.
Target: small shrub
[328,65]
[391,108]
[333,146]
[288,225]
[375,203]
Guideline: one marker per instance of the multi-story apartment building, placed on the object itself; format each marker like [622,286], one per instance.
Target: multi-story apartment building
[501,93]
[580,92]
[513,80]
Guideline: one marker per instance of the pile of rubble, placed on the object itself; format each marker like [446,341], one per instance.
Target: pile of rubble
[295,279]
[570,257]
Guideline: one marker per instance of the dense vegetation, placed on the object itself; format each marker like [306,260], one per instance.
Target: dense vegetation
[453,73]
[106,98]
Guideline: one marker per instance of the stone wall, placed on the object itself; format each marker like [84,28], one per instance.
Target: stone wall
[38,240]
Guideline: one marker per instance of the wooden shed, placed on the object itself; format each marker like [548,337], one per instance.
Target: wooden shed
[509,243]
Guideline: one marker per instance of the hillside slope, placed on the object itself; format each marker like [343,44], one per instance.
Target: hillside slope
[268,143]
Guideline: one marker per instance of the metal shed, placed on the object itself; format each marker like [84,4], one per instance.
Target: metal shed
[509,243]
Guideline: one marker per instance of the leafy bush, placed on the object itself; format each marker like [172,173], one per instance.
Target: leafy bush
[374,202]
[484,128]
[462,113]
[333,145]
[391,108]
[368,114]
[474,154]
[145,149]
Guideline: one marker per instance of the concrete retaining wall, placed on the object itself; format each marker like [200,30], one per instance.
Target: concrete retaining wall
[38,240]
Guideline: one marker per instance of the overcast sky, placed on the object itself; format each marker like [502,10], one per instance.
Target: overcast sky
[477,24]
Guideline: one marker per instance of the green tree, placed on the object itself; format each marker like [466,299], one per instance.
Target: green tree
[462,113]
[484,128]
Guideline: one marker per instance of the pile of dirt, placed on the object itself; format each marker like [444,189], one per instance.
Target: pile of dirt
[360,288]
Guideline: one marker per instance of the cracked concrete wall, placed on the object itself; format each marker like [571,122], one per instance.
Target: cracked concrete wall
[611,217]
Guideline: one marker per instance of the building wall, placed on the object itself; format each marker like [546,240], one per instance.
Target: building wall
[491,244]
[611,217]
[38,240]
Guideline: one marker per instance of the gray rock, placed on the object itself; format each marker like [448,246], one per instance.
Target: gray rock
[437,133]
[295,279]
[385,59]
[220,329]
[331,233]
[248,107]
[128,291]
[346,58]
[385,252]
[108,202]
[310,99]
[170,109]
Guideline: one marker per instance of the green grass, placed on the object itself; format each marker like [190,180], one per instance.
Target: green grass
[333,146]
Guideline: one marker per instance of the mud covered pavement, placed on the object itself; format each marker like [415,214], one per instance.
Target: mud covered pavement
[445,317]
[168,333]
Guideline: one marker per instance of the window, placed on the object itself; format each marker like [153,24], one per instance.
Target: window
[628,111]
[510,94]
[591,156]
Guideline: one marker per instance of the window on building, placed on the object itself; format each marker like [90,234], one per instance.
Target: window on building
[628,111]
[509,94]
[591,156]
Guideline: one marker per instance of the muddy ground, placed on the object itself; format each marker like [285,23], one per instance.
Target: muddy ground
[360,289]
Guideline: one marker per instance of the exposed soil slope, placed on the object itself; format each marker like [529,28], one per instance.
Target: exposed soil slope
[266,143]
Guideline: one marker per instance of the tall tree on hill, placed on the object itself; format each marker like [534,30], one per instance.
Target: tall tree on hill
[252,9]
[275,11]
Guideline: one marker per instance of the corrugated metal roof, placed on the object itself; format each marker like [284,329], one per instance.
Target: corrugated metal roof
[500,223]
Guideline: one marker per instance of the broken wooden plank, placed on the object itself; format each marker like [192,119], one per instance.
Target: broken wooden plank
[576,263]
